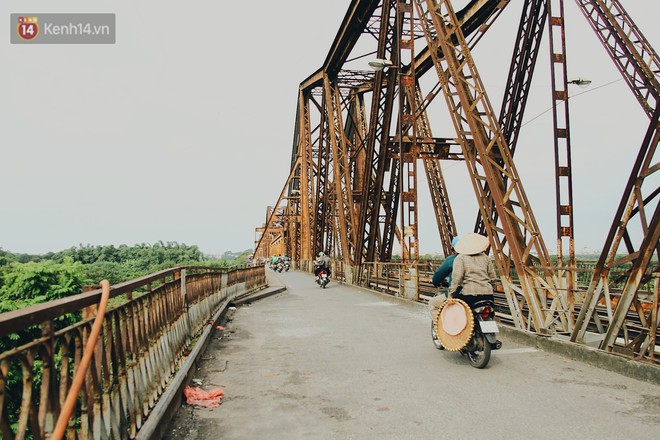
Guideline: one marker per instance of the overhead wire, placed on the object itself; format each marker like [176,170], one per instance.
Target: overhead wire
[572,96]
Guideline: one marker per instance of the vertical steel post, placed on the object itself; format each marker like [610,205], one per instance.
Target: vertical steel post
[562,147]
[407,132]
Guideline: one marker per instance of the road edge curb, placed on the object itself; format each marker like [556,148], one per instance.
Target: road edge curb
[586,354]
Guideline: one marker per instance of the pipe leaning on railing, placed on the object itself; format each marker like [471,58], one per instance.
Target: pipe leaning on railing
[79,379]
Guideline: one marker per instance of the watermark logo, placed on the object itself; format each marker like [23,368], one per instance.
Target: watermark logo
[62,28]
[28,28]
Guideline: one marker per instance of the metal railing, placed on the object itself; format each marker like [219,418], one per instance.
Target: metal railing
[142,342]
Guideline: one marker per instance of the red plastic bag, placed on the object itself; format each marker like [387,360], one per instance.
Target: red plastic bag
[197,396]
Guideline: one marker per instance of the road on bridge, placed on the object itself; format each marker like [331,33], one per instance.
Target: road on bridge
[347,363]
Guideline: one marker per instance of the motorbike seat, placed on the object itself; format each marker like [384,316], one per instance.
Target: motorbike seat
[477,300]
[482,303]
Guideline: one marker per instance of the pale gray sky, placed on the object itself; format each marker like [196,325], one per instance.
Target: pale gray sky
[182,130]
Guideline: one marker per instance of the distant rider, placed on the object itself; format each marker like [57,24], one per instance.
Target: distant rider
[322,262]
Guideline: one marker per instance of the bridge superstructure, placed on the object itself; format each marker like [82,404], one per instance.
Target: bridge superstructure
[360,135]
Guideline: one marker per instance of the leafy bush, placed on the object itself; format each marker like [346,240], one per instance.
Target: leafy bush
[25,284]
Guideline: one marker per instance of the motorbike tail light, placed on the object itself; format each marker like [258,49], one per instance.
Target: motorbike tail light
[486,312]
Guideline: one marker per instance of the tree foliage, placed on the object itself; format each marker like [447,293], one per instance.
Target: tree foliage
[231,258]
[117,264]
[25,284]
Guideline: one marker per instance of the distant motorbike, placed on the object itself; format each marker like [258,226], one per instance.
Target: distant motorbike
[286,266]
[470,330]
[323,278]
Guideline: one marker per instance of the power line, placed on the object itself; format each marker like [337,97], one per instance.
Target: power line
[572,96]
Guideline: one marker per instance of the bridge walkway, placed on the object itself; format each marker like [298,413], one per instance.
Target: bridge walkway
[348,363]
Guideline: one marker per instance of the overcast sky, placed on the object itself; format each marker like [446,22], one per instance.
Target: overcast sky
[182,130]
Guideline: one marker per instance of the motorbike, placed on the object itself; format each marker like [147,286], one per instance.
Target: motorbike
[482,334]
[286,266]
[323,279]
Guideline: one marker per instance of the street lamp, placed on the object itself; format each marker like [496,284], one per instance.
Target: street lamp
[580,82]
[379,64]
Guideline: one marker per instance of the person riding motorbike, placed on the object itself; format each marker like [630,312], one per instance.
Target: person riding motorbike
[473,272]
[286,262]
[472,278]
[322,262]
[468,273]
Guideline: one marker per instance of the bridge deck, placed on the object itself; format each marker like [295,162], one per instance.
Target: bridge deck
[345,363]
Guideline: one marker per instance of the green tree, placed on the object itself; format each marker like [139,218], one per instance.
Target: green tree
[25,284]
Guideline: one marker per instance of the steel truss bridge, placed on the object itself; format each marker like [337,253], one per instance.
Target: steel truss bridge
[360,136]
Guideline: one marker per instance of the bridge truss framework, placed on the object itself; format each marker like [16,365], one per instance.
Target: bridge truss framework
[360,135]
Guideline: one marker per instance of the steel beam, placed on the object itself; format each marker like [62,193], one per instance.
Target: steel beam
[562,145]
[633,204]
[377,140]
[343,195]
[519,81]
[483,146]
[630,51]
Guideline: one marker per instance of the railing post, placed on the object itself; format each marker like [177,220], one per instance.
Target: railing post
[349,273]
[186,305]
[409,282]
[183,283]
[225,279]
[49,407]
[89,311]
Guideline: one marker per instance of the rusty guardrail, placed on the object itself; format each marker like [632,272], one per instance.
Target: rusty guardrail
[79,378]
[143,340]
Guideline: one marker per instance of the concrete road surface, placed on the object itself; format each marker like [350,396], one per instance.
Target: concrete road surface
[346,363]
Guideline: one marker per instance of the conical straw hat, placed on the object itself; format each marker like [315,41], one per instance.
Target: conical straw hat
[454,324]
[472,243]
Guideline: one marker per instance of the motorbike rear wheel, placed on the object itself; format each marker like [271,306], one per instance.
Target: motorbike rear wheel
[480,356]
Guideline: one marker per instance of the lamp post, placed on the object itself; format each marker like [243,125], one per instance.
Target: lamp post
[580,82]
[379,64]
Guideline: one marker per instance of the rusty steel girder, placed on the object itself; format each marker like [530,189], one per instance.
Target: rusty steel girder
[562,146]
[639,65]
[485,151]
[306,188]
[630,51]
[382,103]
[519,81]
[365,132]
[342,179]
[634,203]
[374,165]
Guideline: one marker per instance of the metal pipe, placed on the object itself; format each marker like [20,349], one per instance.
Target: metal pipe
[72,396]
